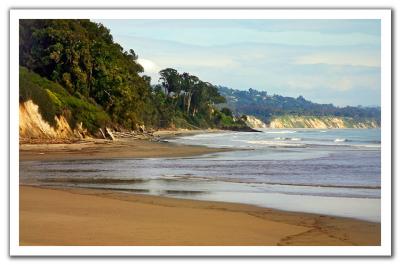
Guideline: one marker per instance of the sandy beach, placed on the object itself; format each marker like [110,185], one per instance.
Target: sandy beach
[82,217]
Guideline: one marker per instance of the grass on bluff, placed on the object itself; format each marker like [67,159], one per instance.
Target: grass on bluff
[53,100]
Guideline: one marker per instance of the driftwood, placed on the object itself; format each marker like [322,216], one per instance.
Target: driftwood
[136,135]
[110,134]
[102,133]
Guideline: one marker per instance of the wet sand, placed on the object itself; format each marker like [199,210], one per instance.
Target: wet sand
[104,149]
[81,217]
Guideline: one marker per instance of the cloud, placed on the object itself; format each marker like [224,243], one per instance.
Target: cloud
[340,58]
[148,65]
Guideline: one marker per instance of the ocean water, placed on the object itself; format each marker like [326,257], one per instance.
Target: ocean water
[330,172]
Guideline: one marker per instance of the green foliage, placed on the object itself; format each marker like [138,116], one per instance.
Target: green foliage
[91,116]
[33,87]
[95,80]
[171,81]
[53,100]
[81,56]
[227,111]
[225,121]
[187,97]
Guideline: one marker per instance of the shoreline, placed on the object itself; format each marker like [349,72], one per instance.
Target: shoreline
[53,216]
[121,148]
[139,192]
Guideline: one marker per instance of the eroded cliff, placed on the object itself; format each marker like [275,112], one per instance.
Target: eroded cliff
[325,122]
[33,126]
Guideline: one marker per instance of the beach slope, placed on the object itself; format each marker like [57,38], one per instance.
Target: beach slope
[78,217]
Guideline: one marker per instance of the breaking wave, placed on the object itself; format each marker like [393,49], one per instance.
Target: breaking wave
[280,131]
[274,143]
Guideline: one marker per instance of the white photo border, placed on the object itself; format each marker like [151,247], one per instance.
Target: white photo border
[205,13]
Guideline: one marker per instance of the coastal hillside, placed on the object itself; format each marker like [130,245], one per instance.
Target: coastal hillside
[325,122]
[288,112]
[74,72]
[47,110]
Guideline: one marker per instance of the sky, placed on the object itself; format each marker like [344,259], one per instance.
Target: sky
[326,61]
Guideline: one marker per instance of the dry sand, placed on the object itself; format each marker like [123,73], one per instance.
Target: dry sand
[91,217]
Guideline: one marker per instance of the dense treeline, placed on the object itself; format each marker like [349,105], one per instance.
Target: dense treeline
[186,96]
[264,106]
[82,57]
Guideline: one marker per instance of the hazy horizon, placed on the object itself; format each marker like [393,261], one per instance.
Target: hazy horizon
[325,61]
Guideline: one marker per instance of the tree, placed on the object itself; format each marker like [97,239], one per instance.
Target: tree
[81,56]
[190,83]
[170,80]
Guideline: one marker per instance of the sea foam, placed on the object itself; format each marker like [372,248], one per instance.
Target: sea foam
[274,143]
[280,131]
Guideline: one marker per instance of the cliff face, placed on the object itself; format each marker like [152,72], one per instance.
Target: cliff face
[253,122]
[321,122]
[32,125]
